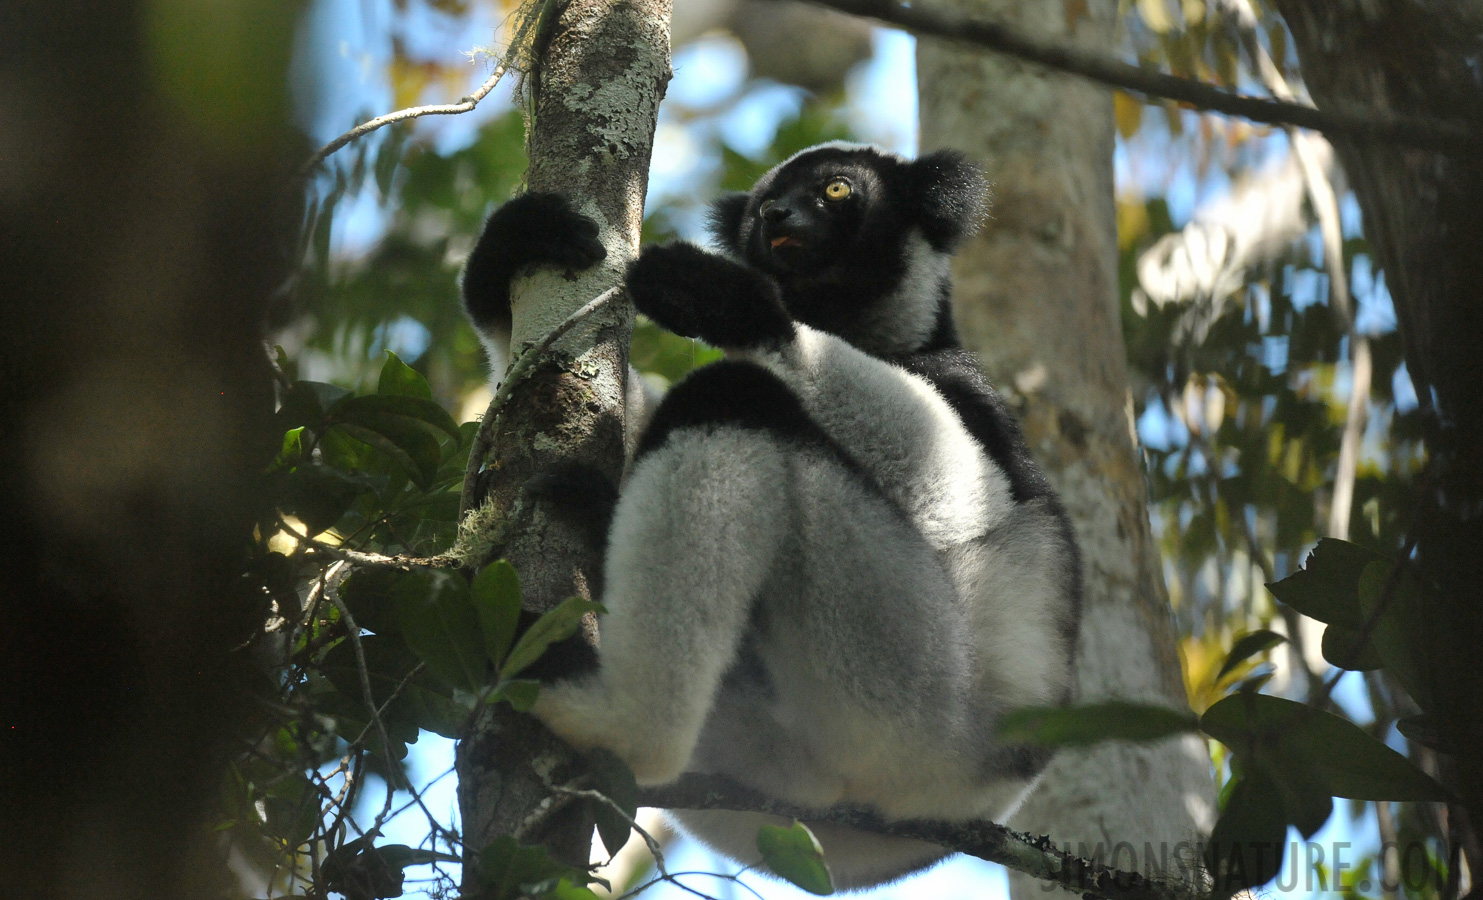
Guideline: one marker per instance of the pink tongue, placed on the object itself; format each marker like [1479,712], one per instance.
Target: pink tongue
[780,241]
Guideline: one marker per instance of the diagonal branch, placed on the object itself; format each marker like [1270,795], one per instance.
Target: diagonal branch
[1037,857]
[464,104]
[1356,125]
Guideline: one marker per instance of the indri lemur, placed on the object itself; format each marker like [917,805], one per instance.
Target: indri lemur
[832,565]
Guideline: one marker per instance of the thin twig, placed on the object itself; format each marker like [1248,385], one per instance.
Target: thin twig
[520,370]
[464,104]
[365,558]
[353,632]
[655,850]
[1357,125]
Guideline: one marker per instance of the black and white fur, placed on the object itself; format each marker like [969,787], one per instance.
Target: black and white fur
[832,565]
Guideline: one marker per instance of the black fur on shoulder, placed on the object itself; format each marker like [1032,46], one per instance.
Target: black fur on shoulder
[532,229]
[698,294]
[735,393]
[984,413]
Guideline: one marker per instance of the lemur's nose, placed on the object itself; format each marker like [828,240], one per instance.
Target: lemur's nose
[772,211]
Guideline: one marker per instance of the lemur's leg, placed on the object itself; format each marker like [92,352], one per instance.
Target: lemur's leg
[532,229]
[695,534]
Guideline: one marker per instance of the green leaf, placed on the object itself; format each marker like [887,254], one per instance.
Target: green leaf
[1062,726]
[1327,587]
[370,594]
[557,624]
[423,702]
[1249,839]
[400,379]
[1297,742]
[440,625]
[1424,730]
[496,593]
[371,409]
[506,869]
[1343,648]
[318,496]
[305,402]
[292,451]
[1393,601]
[563,889]
[415,451]
[613,779]
[794,854]
[520,693]
[1247,646]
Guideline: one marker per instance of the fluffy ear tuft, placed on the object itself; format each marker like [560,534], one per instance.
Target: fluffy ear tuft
[725,221]
[950,195]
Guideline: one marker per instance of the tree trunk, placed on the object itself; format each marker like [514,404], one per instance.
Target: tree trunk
[602,73]
[145,207]
[1037,299]
[1422,213]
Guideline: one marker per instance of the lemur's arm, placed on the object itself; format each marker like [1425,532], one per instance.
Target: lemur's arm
[695,293]
[532,229]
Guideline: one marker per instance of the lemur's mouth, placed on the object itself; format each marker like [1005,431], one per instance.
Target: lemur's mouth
[785,241]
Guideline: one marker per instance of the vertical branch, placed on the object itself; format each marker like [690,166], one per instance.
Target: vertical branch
[602,71]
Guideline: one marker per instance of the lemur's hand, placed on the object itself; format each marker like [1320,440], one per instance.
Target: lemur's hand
[532,229]
[699,294]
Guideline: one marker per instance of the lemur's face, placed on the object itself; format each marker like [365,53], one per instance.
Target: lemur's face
[808,217]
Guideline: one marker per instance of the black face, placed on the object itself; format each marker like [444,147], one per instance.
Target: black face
[809,216]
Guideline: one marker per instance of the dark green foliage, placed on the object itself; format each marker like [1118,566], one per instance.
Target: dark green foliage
[508,871]
[613,779]
[1247,646]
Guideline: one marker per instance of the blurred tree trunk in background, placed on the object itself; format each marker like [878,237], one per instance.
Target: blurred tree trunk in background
[1037,299]
[1424,213]
[142,198]
[597,89]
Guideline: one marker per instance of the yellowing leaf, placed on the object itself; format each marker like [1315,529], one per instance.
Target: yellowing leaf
[1127,110]
[1155,15]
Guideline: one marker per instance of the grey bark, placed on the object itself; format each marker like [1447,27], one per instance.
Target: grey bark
[1037,299]
[601,75]
[144,214]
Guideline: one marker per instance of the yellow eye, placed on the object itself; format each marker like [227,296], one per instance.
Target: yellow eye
[838,189]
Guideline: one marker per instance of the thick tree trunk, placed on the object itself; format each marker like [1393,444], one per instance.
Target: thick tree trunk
[597,91]
[1424,214]
[142,229]
[1037,299]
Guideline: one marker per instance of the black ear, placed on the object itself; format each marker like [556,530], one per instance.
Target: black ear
[725,221]
[950,197]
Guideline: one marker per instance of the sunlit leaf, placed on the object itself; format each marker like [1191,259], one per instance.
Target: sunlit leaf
[794,854]
[555,625]
[399,379]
